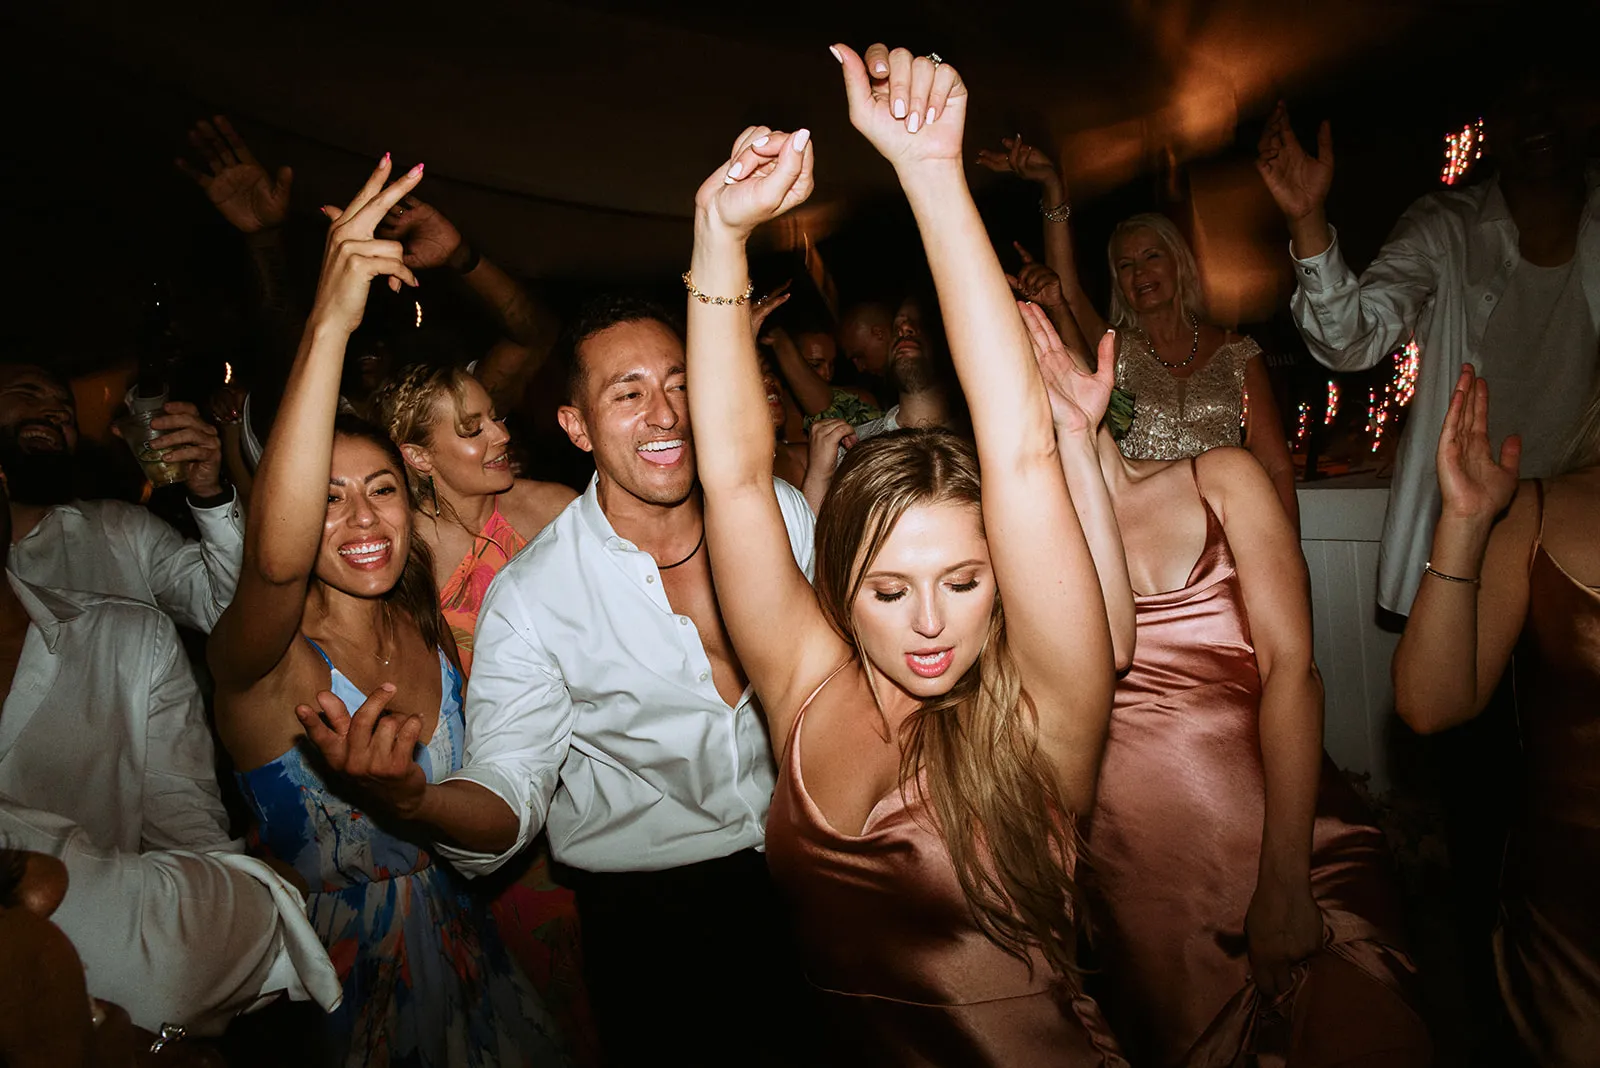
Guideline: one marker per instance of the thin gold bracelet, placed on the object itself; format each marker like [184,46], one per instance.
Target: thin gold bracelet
[706,298]
[1450,578]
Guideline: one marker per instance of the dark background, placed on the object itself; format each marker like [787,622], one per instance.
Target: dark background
[566,139]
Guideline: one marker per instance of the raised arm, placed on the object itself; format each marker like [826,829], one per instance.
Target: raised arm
[291,490]
[1460,634]
[810,391]
[1055,205]
[767,173]
[1078,402]
[1283,925]
[431,240]
[913,113]
[1348,324]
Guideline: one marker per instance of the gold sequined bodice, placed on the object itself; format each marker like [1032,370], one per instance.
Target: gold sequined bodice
[1175,418]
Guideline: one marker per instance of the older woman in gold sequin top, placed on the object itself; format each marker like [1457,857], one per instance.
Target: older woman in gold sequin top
[1190,379]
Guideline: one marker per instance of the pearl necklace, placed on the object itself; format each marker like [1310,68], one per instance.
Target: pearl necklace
[1194,350]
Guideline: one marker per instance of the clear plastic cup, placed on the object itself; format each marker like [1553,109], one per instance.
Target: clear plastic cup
[138,433]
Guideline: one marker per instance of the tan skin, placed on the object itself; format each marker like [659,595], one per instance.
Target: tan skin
[1459,638]
[471,473]
[635,392]
[934,583]
[320,556]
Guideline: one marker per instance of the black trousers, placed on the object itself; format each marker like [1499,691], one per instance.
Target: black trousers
[692,965]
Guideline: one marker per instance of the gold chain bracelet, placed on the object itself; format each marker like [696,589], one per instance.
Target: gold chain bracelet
[707,298]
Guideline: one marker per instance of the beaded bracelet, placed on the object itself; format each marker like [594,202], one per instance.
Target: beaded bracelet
[706,298]
[1060,213]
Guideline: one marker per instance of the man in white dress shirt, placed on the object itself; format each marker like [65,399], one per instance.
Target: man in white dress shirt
[106,763]
[111,547]
[607,707]
[1503,274]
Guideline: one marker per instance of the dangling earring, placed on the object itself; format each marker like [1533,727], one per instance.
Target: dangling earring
[433,491]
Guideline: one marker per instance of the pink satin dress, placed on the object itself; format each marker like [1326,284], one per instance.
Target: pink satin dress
[1173,850]
[887,936]
[1547,947]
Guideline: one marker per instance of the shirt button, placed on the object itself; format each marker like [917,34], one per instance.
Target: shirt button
[1488,298]
[704,676]
[650,578]
[683,621]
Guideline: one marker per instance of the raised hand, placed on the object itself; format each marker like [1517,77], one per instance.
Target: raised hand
[187,438]
[240,187]
[374,750]
[430,239]
[828,440]
[353,257]
[1035,281]
[1021,159]
[1473,482]
[767,173]
[1078,399]
[910,108]
[1297,181]
[765,306]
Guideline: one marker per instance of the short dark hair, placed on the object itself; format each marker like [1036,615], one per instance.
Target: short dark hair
[602,313]
[45,370]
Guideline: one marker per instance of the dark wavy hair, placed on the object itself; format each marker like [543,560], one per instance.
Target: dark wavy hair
[416,593]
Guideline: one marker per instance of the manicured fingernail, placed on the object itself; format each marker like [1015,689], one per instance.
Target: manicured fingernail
[913,122]
[763,139]
[836,54]
[801,137]
[414,171]
[931,116]
[899,109]
[735,170]
[881,68]
[385,160]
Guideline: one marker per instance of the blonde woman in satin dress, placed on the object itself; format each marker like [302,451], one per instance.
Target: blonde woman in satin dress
[933,749]
[1190,379]
[1514,582]
[1243,907]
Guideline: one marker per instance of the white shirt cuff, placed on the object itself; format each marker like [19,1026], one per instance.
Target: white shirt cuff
[521,801]
[1316,274]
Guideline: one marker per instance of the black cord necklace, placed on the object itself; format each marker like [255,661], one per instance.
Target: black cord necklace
[692,552]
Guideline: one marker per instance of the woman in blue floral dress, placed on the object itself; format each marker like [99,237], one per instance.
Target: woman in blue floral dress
[336,610]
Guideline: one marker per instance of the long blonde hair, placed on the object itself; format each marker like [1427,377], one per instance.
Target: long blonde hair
[994,797]
[1191,297]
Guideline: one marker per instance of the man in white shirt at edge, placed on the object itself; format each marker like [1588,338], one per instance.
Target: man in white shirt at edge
[1503,274]
[607,707]
[112,547]
[171,920]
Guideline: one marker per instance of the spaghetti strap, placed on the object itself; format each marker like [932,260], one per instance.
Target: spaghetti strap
[794,728]
[320,653]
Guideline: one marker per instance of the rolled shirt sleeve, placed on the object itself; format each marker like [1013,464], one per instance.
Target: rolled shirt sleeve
[519,719]
[1350,324]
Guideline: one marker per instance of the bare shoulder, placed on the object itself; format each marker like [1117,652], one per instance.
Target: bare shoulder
[532,505]
[1232,476]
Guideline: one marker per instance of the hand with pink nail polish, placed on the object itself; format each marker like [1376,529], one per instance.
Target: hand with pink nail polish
[911,108]
[354,256]
[767,173]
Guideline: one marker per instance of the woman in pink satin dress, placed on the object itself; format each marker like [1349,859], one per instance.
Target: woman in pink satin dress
[1514,581]
[934,748]
[1242,905]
